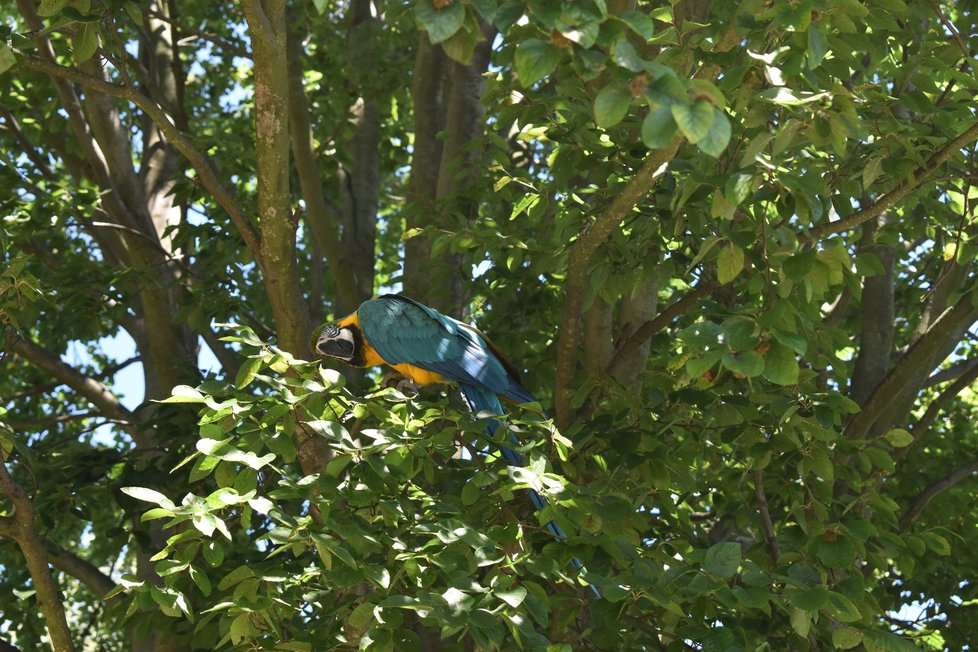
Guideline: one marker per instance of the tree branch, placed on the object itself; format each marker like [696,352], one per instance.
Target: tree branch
[770,538]
[927,419]
[920,502]
[955,371]
[200,161]
[23,531]
[594,235]
[277,256]
[920,355]
[84,571]
[660,321]
[324,228]
[11,123]
[877,321]
[895,196]
[950,27]
[577,271]
[96,393]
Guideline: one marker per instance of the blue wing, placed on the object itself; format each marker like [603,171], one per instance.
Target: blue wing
[403,331]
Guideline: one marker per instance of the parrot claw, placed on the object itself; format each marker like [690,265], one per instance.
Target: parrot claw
[401,383]
[408,387]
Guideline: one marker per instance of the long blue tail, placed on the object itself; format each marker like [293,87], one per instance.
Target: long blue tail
[480,400]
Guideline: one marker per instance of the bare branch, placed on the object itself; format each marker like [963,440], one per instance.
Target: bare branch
[21,528]
[950,27]
[52,421]
[920,502]
[200,161]
[82,570]
[920,355]
[955,371]
[11,123]
[930,414]
[660,321]
[235,49]
[97,393]
[324,228]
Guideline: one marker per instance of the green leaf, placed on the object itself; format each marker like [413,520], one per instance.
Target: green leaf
[730,263]
[696,367]
[739,187]
[461,45]
[201,580]
[838,553]
[717,137]
[183,394]
[534,60]
[136,13]
[638,22]
[801,622]
[513,597]
[937,543]
[149,495]
[817,46]
[746,363]
[247,372]
[85,42]
[49,8]
[362,616]
[584,34]
[694,120]
[739,334]
[658,128]
[625,56]
[809,599]
[794,341]
[7,58]
[781,366]
[722,559]
[845,638]
[611,105]
[441,24]
[843,608]
[899,438]
[787,97]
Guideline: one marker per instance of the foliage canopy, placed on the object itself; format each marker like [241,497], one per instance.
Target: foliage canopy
[731,245]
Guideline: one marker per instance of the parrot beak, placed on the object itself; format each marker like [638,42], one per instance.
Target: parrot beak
[336,343]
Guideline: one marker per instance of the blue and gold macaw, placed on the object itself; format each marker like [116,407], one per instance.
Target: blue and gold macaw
[429,347]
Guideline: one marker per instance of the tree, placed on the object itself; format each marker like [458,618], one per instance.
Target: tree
[732,246]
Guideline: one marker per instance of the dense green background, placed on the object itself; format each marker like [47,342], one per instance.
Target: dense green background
[731,245]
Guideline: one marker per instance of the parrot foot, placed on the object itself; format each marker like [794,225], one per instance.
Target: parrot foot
[401,383]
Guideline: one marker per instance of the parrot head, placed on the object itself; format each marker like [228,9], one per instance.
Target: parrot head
[334,341]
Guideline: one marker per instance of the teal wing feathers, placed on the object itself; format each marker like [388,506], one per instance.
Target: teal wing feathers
[403,331]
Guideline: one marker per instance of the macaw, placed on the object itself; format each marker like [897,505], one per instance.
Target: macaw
[429,347]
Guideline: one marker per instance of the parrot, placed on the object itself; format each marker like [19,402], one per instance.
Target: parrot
[430,347]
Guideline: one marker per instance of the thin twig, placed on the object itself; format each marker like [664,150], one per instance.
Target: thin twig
[889,200]
[770,538]
[950,28]
[928,494]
